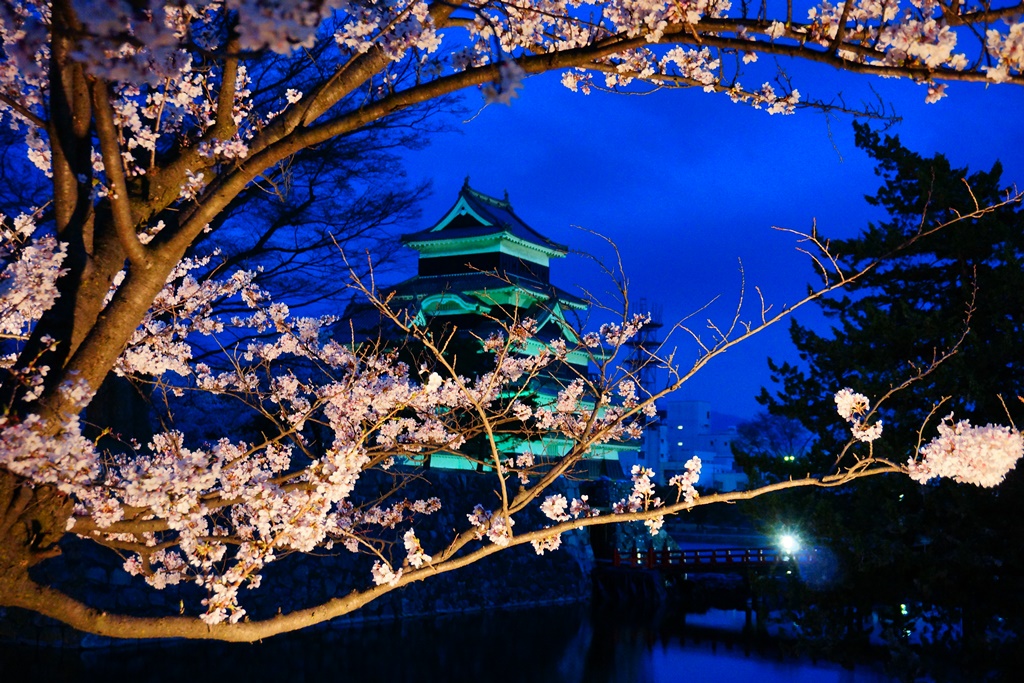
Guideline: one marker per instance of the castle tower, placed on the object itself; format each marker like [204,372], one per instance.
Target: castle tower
[478,266]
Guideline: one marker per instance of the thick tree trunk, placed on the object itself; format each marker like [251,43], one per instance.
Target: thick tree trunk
[83,287]
[94,254]
[32,520]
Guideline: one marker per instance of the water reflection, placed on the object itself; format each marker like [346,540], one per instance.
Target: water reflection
[574,644]
[674,646]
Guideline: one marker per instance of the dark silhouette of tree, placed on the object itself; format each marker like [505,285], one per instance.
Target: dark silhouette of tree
[899,542]
[894,322]
[769,447]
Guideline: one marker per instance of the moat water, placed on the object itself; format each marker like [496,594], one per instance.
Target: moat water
[568,644]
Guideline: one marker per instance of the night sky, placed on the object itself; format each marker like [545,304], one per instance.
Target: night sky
[689,184]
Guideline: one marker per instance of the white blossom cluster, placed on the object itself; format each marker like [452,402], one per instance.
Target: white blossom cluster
[855,408]
[67,460]
[1008,50]
[968,454]
[574,411]
[642,497]
[521,464]
[616,335]
[547,543]
[917,34]
[153,54]
[184,307]
[554,507]
[383,573]
[557,508]
[686,482]
[497,528]
[28,283]
[414,551]
[228,508]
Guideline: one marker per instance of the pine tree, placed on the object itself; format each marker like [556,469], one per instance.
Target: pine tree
[899,542]
[916,306]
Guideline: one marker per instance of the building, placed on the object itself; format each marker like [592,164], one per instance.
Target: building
[480,264]
[683,430]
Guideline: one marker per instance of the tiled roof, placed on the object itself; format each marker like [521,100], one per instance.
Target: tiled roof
[499,215]
[476,281]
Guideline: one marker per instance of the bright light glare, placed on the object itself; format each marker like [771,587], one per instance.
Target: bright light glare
[789,543]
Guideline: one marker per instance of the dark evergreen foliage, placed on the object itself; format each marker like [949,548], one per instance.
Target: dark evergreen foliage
[956,546]
[916,305]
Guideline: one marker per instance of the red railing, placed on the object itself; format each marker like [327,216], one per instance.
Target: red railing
[706,560]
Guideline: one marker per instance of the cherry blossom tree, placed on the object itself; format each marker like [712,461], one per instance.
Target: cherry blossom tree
[146,121]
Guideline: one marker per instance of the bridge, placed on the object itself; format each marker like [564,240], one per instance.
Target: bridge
[712,560]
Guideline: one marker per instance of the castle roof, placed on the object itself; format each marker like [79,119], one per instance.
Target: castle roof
[482,283]
[478,218]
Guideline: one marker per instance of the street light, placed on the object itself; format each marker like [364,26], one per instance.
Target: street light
[789,544]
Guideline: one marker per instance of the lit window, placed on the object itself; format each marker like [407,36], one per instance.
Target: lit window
[679,443]
[679,426]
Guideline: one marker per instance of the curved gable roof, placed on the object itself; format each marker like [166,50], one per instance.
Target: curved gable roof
[476,215]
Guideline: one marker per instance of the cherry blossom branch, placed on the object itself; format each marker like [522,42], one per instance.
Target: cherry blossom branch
[982,16]
[124,222]
[23,111]
[53,603]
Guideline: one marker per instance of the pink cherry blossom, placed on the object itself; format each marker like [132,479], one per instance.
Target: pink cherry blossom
[967,454]
[554,507]
[854,408]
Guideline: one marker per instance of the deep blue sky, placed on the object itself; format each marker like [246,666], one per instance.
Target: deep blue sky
[687,184]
